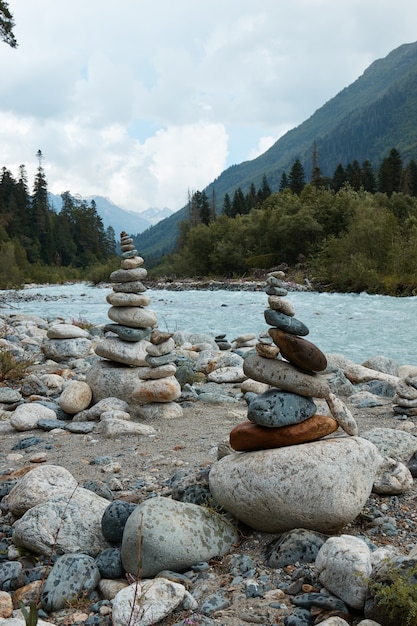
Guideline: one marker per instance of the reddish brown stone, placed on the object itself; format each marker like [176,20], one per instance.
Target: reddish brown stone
[248,436]
[299,351]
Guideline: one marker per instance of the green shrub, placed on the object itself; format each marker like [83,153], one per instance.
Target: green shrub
[397,593]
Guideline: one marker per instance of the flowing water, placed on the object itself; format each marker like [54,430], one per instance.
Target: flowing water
[356,325]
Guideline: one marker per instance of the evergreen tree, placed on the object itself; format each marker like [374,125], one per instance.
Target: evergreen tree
[6,25]
[317,179]
[355,175]
[204,209]
[264,191]
[40,212]
[251,198]
[238,203]
[297,177]
[339,177]
[368,177]
[284,182]
[390,173]
[227,205]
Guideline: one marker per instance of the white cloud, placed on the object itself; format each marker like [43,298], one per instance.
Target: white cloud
[142,101]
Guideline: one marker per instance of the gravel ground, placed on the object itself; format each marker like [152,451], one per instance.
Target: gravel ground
[134,468]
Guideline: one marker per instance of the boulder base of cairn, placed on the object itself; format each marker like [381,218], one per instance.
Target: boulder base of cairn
[321,485]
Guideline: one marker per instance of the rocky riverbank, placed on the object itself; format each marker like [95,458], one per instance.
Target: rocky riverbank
[76,459]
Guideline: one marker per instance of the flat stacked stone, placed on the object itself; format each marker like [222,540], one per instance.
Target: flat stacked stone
[405,400]
[133,340]
[286,414]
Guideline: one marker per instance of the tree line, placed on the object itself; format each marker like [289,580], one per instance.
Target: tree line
[34,237]
[356,232]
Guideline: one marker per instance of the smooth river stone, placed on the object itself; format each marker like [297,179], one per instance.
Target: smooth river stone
[129,254]
[126,333]
[283,305]
[276,408]
[136,286]
[298,351]
[162,371]
[158,390]
[342,415]
[126,276]
[132,263]
[285,322]
[267,351]
[247,436]
[284,376]
[159,349]
[127,299]
[136,317]
[126,352]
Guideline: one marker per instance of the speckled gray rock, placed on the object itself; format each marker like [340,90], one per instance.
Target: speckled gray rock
[149,601]
[392,442]
[64,349]
[175,535]
[102,406]
[393,477]
[26,416]
[124,352]
[105,376]
[344,566]
[276,408]
[9,396]
[38,485]
[322,485]
[66,331]
[295,545]
[71,575]
[114,520]
[78,517]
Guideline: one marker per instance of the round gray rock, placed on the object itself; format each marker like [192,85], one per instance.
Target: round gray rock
[174,535]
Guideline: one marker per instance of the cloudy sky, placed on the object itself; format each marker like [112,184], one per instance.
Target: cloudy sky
[143,100]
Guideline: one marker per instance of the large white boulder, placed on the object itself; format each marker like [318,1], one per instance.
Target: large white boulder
[321,485]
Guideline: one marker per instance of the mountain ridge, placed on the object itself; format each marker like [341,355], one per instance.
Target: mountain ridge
[116,217]
[363,122]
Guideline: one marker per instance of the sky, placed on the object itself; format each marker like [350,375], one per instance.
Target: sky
[144,101]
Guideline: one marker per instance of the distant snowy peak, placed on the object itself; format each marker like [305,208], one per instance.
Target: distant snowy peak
[156,215]
[116,217]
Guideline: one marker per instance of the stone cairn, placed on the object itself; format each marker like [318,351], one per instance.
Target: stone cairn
[405,400]
[285,413]
[133,340]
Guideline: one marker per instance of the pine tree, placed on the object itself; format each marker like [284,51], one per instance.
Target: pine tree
[6,25]
[284,182]
[40,212]
[204,209]
[297,177]
[227,205]
[368,177]
[317,179]
[264,191]
[339,177]
[390,173]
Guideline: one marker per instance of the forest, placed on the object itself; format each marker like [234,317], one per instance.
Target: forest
[39,245]
[356,231]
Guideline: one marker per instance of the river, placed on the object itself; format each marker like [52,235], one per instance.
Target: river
[356,325]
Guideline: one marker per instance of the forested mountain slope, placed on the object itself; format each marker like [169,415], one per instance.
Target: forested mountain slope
[363,121]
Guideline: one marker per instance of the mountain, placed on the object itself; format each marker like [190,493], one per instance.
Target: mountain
[119,219]
[364,121]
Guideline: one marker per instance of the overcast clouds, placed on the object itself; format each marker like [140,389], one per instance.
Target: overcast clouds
[141,100]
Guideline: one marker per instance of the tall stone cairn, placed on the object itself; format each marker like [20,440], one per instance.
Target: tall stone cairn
[133,340]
